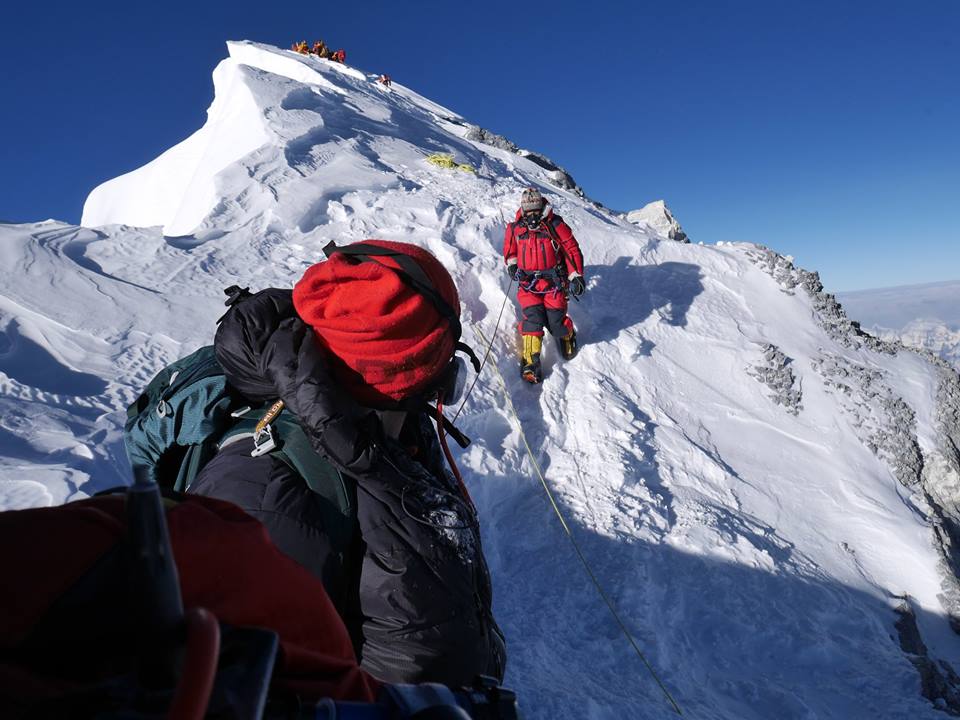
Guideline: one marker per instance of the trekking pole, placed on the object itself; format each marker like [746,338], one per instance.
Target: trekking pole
[154,584]
[165,660]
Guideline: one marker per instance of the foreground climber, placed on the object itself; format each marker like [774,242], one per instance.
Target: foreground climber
[355,352]
[137,606]
[544,257]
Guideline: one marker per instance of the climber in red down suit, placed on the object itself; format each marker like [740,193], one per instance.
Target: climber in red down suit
[544,257]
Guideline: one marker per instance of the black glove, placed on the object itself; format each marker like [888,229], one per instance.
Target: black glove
[577,286]
[512,271]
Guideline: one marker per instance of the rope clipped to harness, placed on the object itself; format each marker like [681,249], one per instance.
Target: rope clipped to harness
[527,280]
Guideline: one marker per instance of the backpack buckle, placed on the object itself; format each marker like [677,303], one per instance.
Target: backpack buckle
[263,441]
[235,294]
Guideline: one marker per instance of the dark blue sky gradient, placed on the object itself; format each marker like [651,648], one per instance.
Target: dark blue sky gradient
[827,130]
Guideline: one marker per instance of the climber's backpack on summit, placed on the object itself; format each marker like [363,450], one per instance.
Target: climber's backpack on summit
[189,411]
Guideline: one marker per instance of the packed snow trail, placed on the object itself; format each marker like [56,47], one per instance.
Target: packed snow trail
[740,470]
[573,540]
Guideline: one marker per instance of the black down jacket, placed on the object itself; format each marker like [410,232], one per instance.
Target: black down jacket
[424,593]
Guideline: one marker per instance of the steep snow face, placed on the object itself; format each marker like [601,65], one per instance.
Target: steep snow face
[765,495]
[272,149]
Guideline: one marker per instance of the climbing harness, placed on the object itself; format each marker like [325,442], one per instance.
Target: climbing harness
[576,546]
[527,280]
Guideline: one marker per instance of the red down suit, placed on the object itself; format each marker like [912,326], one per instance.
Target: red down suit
[546,261]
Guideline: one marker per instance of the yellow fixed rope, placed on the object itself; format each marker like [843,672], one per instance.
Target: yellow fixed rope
[573,540]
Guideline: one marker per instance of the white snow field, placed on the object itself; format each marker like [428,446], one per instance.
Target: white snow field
[736,469]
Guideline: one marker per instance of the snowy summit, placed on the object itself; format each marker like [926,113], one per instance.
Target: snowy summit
[768,496]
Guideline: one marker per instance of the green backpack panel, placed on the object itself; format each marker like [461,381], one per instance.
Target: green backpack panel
[188,412]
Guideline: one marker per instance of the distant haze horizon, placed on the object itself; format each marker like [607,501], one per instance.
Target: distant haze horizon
[938,283]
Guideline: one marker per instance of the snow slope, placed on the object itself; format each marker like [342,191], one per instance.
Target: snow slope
[756,486]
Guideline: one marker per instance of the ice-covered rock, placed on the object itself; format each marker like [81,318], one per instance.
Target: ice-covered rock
[657,216]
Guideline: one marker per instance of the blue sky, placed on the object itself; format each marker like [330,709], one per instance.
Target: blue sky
[826,130]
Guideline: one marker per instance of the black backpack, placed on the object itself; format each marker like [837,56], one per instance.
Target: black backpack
[188,412]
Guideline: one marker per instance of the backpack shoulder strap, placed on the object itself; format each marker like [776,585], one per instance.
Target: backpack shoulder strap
[335,491]
[551,225]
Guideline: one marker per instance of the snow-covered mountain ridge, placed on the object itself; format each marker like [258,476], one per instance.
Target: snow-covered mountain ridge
[768,495]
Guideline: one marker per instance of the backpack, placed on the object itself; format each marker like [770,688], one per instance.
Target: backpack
[134,606]
[188,412]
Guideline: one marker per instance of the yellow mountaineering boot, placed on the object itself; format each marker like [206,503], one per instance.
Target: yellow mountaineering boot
[568,345]
[530,359]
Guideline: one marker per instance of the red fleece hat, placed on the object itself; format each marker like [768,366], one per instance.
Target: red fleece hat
[389,341]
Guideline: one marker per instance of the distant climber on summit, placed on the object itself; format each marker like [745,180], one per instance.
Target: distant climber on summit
[544,257]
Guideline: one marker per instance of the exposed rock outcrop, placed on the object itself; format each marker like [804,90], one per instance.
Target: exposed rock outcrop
[830,314]
[556,175]
[885,422]
[775,372]
[939,682]
[657,215]
[478,134]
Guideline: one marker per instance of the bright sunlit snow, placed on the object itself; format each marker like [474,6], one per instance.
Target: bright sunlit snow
[734,470]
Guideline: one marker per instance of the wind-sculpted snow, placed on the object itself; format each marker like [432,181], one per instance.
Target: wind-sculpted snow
[757,547]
